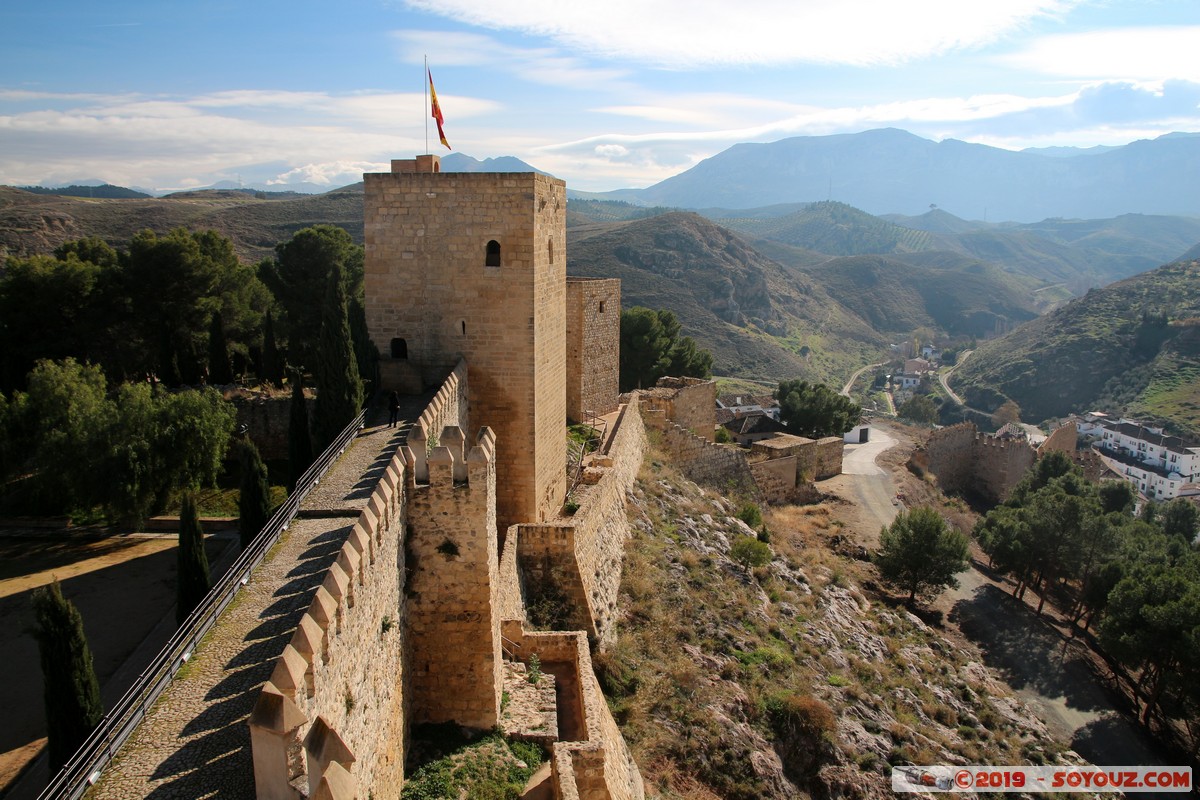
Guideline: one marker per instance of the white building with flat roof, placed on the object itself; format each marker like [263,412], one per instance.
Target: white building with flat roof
[1156,464]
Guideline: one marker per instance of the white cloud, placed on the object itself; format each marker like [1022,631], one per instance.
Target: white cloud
[330,173]
[537,64]
[692,33]
[611,150]
[1129,54]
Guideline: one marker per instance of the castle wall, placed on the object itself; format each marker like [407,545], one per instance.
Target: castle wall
[722,467]
[964,460]
[829,457]
[428,283]
[453,589]
[593,346]
[583,552]
[999,465]
[949,454]
[338,687]
[691,404]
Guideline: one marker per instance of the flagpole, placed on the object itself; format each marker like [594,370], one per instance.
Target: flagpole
[425,111]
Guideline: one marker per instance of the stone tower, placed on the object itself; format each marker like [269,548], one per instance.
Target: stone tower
[473,265]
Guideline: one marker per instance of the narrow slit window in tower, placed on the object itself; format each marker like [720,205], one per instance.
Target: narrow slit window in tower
[493,254]
[464,327]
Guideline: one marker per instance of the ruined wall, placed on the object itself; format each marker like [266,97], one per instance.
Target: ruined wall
[593,761]
[776,479]
[949,455]
[453,588]
[1063,439]
[333,708]
[432,283]
[722,467]
[593,346]
[583,553]
[692,404]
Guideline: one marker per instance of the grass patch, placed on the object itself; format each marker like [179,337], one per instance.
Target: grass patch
[489,768]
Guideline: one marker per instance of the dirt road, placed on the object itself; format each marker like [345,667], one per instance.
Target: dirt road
[1034,655]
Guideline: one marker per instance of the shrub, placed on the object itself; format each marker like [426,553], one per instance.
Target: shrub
[750,552]
[750,514]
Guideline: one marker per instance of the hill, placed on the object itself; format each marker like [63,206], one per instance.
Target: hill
[1133,346]
[964,299]
[37,223]
[76,190]
[833,228]
[760,319]
[893,171]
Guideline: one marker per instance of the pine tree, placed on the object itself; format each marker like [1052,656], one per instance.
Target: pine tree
[72,693]
[271,368]
[300,449]
[192,581]
[339,390]
[219,370]
[254,501]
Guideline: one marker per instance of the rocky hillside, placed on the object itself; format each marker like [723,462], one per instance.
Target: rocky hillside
[760,319]
[1133,346]
[792,679]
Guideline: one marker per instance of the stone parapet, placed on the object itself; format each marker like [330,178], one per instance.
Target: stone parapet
[721,467]
[454,588]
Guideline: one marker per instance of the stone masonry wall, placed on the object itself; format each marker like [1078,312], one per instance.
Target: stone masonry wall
[722,467]
[453,589]
[338,685]
[948,454]
[447,409]
[267,420]
[583,553]
[1000,464]
[829,457]
[592,763]
[428,282]
[693,406]
[966,461]
[593,345]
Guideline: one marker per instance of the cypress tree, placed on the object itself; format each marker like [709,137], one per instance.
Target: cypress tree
[365,351]
[300,449]
[192,581]
[219,370]
[72,693]
[339,389]
[271,368]
[254,500]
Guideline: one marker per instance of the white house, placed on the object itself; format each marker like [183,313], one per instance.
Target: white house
[1158,465]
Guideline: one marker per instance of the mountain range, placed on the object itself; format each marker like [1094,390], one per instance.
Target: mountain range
[890,171]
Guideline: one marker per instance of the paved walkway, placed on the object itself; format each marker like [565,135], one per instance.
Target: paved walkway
[195,742]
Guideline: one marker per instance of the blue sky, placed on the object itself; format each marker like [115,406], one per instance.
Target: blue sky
[623,93]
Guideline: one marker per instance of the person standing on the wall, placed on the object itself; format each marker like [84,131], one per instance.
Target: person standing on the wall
[393,408]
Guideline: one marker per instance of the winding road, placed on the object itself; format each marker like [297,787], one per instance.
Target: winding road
[944,377]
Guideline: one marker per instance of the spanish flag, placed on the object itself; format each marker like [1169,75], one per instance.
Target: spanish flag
[436,110]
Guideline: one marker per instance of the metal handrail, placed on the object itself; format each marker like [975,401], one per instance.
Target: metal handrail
[593,421]
[84,767]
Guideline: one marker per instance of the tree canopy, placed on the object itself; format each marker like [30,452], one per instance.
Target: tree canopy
[919,408]
[652,348]
[814,410]
[919,553]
